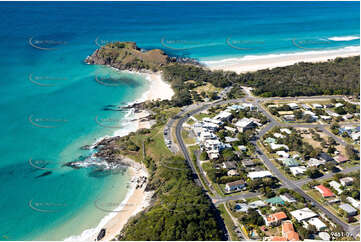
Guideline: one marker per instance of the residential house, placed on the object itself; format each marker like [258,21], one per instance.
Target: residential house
[229,165]
[275,201]
[303,214]
[350,211]
[325,192]
[332,114]
[232,172]
[298,170]
[259,174]
[223,116]
[337,186]
[337,105]
[233,130]
[288,232]
[241,207]
[306,107]
[245,124]
[283,154]
[278,146]
[270,140]
[285,130]
[288,198]
[326,118]
[289,117]
[293,106]
[312,162]
[235,186]
[257,204]
[278,135]
[248,163]
[346,181]
[242,148]
[275,219]
[290,162]
[325,157]
[353,202]
[317,223]
[341,159]
[317,105]
[230,139]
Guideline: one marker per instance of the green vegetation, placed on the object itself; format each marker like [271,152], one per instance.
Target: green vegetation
[339,76]
[180,210]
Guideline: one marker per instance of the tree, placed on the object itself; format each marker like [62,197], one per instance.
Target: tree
[351,153]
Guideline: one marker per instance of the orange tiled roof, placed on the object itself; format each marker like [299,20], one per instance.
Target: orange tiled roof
[276,216]
[287,227]
[278,238]
[293,236]
[325,191]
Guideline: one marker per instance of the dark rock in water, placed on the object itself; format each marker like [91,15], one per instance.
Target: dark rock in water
[73,164]
[44,174]
[85,147]
[101,234]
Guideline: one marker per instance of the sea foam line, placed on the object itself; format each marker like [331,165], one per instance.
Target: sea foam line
[225,61]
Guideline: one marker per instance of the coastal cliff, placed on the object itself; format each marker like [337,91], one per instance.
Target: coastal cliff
[128,56]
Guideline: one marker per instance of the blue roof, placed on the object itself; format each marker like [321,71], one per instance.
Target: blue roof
[275,201]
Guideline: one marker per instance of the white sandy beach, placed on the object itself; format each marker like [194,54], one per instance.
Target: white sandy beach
[254,63]
[137,202]
[138,199]
[159,89]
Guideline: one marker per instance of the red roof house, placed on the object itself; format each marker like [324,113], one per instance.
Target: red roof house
[325,192]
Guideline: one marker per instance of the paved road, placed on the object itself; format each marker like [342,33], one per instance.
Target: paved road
[354,229]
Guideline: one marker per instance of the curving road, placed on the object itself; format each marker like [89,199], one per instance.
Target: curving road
[353,229]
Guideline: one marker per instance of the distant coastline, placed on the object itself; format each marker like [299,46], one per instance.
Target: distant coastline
[252,63]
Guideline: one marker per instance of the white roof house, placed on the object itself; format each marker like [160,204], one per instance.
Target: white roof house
[230,139]
[346,181]
[283,153]
[324,236]
[353,202]
[337,105]
[306,107]
[278,146]
[259,174]
[317,105]
[242,147]
[278,135]
[324,117]
[224,115]
[297,170]
[287,198]
[315,162]
[317,223]
[337,186]
[244,124]
[293,105]
[309,113]
[333,114]
[233,130]
[287,131]
[355,136]
[303,214]
[257,204]
[348,209]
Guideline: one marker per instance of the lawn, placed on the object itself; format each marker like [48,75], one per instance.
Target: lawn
[228,222]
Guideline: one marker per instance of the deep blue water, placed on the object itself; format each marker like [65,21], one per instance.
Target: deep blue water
[206,31]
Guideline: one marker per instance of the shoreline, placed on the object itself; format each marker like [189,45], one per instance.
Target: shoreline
[251,63]
[136,200]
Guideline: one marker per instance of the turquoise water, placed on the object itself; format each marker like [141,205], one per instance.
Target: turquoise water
[53,87]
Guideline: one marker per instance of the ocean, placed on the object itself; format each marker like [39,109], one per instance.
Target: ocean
[52,103]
